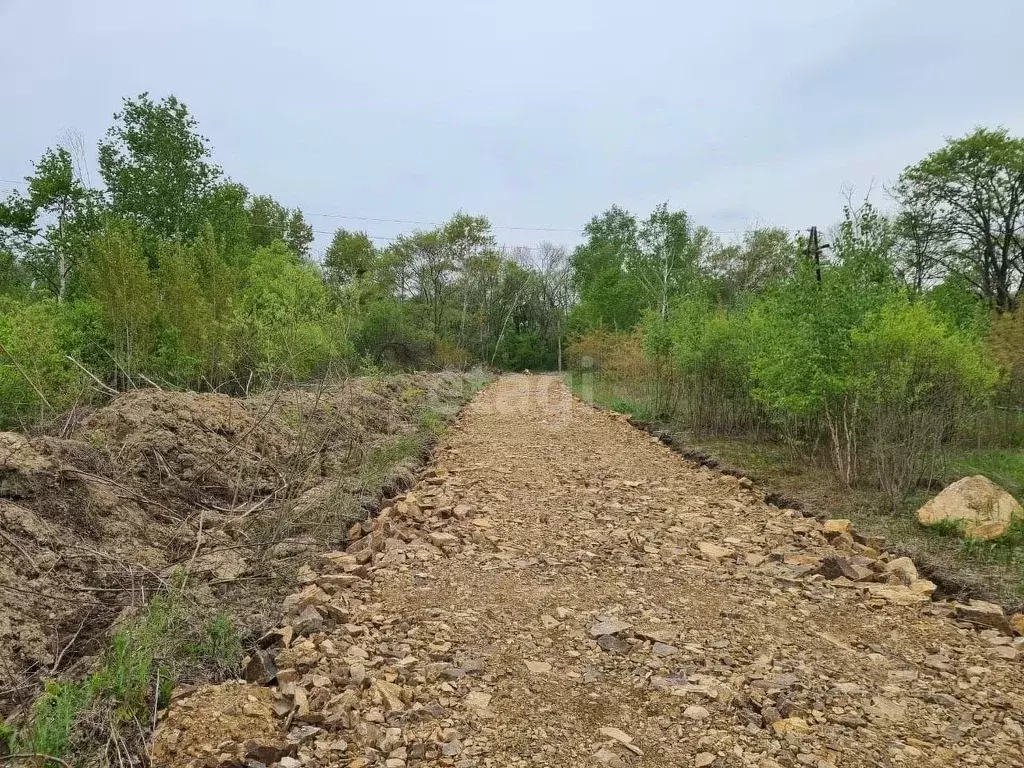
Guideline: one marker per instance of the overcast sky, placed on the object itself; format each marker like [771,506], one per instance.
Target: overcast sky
[537,114]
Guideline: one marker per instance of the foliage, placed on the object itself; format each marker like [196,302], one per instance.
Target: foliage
[837,359]
[35,373]
[973,190]
[119,279]
[349,257]
[919,376]
[762,257]
[1006,342]
[284,318]
[53,718]
[156,167]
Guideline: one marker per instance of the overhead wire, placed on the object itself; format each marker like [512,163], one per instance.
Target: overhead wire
[423,222]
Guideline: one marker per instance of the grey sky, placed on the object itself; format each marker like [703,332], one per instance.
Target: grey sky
[537,114]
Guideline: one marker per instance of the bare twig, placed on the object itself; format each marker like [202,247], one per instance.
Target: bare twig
[26,377]
[24,554]
[134,495]
[149,381]
[156,699]
[70,642]
[199,541]
[109,390]
[48,595]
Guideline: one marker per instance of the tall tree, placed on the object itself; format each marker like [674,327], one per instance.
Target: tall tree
[52,221]
[268,220]
[299,234]
[433,272]
[466,238]
[976,186]
[610,295]
[556,289]
[157,167]
[763,255]
[349,257]
[919,245]
[667,256]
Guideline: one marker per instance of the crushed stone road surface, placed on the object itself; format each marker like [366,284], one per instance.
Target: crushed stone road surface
[563,590]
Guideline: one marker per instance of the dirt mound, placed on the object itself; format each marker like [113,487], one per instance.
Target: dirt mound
[199,724]
[212,444]
[157,481]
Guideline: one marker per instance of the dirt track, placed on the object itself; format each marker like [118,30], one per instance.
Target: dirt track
[562,573]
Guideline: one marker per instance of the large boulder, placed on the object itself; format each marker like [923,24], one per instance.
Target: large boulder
[983,508]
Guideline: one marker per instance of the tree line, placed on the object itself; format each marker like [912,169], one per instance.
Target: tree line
[169,273]
[906,330]
[871,351]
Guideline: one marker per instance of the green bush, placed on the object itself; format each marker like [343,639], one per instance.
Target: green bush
[918,377]
[36,378]
[287,327]
[389,332]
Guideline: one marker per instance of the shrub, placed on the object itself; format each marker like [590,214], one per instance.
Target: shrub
[287,329]
[35,375]
[918,378]
[709,348]
[389,333]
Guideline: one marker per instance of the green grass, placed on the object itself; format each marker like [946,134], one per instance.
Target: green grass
[378,463]
[7,738]
[53,717]
[431,422]
[1005,468]
[605,396]
[146,657]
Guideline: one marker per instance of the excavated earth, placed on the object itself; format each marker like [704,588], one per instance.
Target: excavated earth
[236,491]
[560,589]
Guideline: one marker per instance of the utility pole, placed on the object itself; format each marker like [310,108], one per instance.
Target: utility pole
[814,249]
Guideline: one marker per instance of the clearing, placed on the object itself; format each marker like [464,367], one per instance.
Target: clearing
[561,589]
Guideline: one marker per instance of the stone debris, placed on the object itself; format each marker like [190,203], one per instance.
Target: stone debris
[902,570]
[608,627]
[984,614]
[620,607]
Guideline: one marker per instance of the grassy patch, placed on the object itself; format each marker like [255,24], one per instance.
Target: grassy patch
[1006,468]
[431,422]
[605,395]
[53,718]
[381,460]
[147,656]
[474,381]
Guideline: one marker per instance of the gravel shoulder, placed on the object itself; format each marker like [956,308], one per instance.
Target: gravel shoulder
[561,589]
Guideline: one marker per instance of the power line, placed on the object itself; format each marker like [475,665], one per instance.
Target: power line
[422,222]
[436,223]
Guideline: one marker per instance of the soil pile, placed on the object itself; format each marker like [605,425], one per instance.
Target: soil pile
[158,481]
